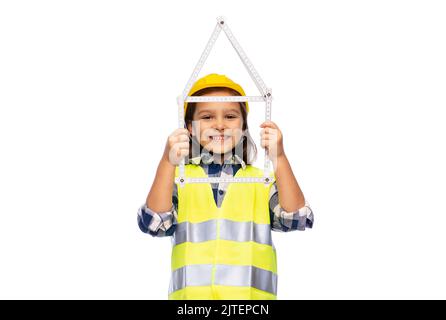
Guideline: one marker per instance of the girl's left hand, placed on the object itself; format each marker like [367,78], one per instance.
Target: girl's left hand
[272,140]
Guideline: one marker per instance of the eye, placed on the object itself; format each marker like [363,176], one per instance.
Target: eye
[231,116]
[206,117]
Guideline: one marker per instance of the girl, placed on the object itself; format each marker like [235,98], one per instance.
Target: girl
[221,233]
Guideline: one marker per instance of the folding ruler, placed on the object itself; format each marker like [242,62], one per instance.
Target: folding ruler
[265,96]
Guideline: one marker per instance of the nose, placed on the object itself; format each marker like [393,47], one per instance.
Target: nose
[219,123]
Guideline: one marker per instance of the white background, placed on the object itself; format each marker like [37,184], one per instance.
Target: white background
[88,97]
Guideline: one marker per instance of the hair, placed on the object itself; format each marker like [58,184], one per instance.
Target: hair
[249,147]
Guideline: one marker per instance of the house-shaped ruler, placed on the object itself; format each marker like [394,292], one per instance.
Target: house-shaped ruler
[265,96]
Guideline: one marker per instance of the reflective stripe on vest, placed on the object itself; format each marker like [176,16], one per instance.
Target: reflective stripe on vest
[229,230]
[223,252]
[201,275]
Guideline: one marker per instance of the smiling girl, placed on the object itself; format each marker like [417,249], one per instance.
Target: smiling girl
[221,232]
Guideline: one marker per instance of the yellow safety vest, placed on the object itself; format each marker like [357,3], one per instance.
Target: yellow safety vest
[227,252]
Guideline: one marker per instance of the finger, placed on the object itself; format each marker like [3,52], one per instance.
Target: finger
[269,123]
[179,138]
[177,131]
[179,152]
[180,131]
[268,130]
[183,137]
[182,145]
[274,124]
[264,131]
[273,134]
[269,136]
[263,135]
[184,153]
[173,136]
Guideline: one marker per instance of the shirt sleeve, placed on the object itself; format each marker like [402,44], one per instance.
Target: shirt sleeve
[159,224]
[283,221]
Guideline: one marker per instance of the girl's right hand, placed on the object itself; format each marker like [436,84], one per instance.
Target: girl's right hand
[177,146]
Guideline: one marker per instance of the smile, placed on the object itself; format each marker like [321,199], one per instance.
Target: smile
[219,138]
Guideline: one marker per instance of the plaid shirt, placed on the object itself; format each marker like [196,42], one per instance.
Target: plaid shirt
[159,224]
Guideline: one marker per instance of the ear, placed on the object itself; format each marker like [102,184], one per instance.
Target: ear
[189,127]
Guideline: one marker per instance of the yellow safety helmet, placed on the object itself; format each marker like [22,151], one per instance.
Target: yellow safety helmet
[215,80]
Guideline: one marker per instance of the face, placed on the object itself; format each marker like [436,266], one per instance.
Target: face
[217,125]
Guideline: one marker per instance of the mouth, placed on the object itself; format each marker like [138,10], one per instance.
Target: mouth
[220,138]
